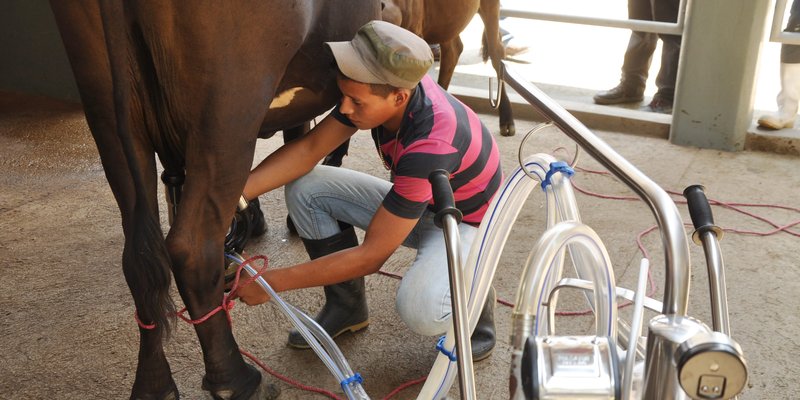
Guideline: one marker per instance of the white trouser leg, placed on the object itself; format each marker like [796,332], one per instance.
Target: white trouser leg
[787,99]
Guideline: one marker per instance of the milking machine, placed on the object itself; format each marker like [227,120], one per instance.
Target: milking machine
[680,357]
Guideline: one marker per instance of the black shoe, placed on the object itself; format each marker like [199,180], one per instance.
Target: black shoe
[345,306]
[620,94]
[659,105]
[345,310]
[484,337]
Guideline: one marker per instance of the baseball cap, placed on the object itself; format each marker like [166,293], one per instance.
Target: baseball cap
[383,53]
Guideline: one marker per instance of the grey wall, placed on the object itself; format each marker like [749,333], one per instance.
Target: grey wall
[716,78]
[32,57]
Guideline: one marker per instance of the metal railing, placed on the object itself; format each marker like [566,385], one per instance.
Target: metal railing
[669,28]
[777,34]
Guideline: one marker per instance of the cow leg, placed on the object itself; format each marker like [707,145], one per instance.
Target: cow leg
[82,33]
[146,272]
[490,15]
[333,159]
[290,134]
[336,157]
[219,165]
[450,51]
[148,277]
[197,252]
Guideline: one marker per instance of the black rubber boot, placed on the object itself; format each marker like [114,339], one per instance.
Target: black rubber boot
[345,306]
[484,337]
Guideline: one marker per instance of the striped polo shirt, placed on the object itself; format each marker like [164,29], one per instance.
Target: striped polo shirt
[438,132]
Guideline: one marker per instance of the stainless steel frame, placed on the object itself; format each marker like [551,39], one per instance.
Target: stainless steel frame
[683,356]
[776,33]
[668,28]
[676,246]
[466,374]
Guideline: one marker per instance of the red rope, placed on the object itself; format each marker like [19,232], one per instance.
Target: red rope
[405,386]
[142,324]
[227,299]
[228,303]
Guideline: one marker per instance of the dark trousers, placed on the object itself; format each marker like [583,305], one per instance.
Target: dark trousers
[641,46]
[790,53]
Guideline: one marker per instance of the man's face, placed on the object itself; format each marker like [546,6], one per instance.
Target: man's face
[365,109]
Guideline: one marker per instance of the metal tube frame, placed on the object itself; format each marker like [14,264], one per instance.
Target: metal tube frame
[673,236]
[668,28]
[458,298]
[776,33]
[716,283]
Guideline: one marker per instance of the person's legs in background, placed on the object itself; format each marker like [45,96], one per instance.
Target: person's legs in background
[636,62]
[666,11]
[512,46]
[789,95]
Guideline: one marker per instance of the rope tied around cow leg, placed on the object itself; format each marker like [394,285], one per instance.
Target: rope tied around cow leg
[227,299]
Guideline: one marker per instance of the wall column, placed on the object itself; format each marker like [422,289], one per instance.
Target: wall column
[715,90]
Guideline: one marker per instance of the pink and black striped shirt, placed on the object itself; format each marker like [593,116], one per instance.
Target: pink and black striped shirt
[438,132]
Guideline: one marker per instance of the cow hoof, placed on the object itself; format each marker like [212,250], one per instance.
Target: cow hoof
[265,391]
[507,130]
[257,387]
[170,393]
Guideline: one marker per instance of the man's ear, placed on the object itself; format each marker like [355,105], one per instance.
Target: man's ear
[401,96]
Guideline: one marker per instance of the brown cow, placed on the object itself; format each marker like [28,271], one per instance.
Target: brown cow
[195,83]
[441,21]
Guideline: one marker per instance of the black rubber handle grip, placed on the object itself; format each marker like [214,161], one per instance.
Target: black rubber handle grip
[699,209]
[443,202]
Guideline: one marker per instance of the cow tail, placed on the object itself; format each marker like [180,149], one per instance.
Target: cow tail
[147,268]
[145,260]
[484,47]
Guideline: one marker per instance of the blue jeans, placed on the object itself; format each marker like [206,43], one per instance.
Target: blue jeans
[326,195]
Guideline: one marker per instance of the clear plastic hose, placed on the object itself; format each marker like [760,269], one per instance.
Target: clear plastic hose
[319,340]
[483,259]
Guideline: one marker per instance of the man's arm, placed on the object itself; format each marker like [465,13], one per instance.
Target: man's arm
[386,232]
[296,158]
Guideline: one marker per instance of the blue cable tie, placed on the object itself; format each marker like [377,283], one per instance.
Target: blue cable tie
[558,166]
[440,347]
[355,378]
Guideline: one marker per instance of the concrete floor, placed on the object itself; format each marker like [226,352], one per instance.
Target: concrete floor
[68,330]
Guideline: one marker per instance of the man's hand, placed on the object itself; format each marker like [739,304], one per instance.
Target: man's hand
[251,293]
